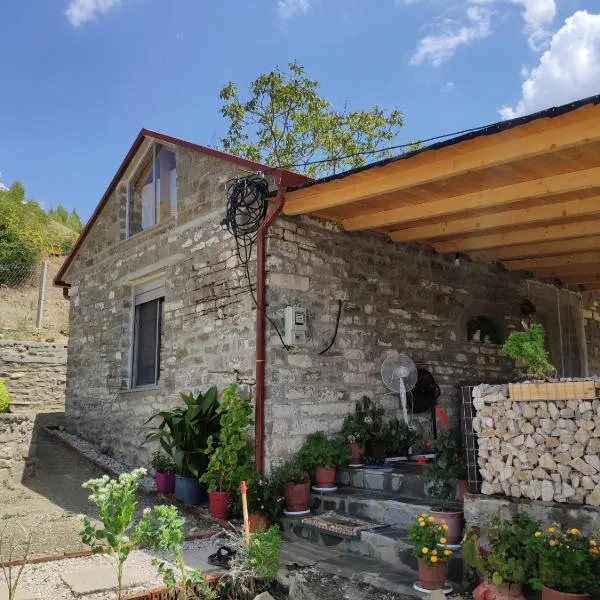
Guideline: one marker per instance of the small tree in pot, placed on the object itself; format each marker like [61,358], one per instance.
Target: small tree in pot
[164,473]
[294,480]
[264,500]
[230,456]
[356,430]
[322,455]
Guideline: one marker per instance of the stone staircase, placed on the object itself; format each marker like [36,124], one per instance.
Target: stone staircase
[388,500]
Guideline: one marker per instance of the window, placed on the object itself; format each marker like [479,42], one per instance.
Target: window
[153,190]
[147,326]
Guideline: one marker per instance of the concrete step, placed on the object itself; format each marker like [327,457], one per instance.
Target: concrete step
[407,479]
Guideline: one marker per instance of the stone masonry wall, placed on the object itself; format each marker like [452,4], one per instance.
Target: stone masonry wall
[539,450]
[208,323]
[591,315]
[18,454]
[35,375]
[396,298]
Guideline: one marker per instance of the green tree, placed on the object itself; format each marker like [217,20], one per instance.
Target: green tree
[59,214]
[74,222]
[285,121]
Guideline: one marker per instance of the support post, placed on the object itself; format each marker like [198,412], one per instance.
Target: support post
[42,295]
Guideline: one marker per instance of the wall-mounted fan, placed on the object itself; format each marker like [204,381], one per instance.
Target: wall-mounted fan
[399,374]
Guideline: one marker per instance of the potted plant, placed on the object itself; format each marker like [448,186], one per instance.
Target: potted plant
[442,475]
[399,437]
[355,430]
[164,473]
[229,455]
[294,480]
[376,435]
[428,536]
[264,501]
[183,434]
[322,455]
[568,563]
[506,562]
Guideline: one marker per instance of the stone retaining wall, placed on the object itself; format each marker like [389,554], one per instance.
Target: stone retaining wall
[18,455]
[35,374]
[546,450]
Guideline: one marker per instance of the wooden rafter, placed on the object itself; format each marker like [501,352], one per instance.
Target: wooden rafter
[577,272]
[581,207]
[581,278]
[521,236]
[434,166]
[591,287]
[551,248]
[533,264]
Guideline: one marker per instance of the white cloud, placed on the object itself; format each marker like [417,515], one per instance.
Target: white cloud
[81,11]
[447,87]
[439,48]
[288,8]
[567,71]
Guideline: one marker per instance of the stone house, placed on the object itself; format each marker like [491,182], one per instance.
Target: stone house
[160,303]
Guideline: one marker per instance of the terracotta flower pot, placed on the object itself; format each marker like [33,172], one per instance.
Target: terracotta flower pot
[255,520]
[325,477]
[430,577]
[297,496]
[454,520]
[218,504]
[486,590]
[462,487]
[550,594]
[356,453]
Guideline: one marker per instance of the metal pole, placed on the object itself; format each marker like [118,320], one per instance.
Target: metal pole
[42,295]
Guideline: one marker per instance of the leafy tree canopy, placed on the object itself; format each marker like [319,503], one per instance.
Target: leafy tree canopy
[285,121]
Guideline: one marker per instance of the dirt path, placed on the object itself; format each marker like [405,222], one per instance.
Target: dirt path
[50,504]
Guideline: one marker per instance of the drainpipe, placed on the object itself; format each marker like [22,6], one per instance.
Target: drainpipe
[259,422]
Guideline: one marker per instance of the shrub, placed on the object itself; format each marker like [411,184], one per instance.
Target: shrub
[428,535]
[162,463]
[528,348]
[263,496]
[447,467]
[399,437]
[320,451]
[291,471]
[4,397]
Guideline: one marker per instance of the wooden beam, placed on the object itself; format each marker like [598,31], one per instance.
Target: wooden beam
[580,271]
[539,249]
[436,165]
[489,198]
[532,264]
[581,278]
[582,228]
[591,287]
[485,222]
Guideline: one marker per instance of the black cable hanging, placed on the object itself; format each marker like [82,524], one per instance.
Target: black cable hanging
[247,206]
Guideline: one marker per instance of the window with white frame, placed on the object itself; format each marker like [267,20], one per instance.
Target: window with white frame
[149,298]
[153,189]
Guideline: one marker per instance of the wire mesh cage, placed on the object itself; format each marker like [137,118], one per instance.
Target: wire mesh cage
[469,438]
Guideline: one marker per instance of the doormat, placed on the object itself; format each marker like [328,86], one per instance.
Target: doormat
[334,523]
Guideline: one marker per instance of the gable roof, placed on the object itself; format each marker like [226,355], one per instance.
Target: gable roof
[289,178]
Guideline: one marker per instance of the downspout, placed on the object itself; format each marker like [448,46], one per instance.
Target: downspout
[259,422]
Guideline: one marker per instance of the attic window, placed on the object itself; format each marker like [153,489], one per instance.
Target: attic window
[153,190]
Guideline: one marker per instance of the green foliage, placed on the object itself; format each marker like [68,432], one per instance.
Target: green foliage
[265,553]
[320,451]
[285,121]
[184,433]
[355,427]
[230,460]
[162,463]
[528,348]
[263,496]
[447,467]
[291,471]
[427,534]
[62,216]
[568,561]
[399,437]
[162,528]
[116,502]
[4,397]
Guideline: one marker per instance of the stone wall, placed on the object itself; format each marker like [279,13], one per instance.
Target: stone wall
[395,298]
[591,315]
[35,375]
[543,450]
[18,454]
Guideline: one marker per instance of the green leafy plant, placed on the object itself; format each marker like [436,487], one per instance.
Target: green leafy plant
[291,471]
[355,429]
[506,558]
[320,451]
[230,460]
[428,535]
[183,433]
[399,437]
[446,468]
[568,561]
[116,502]
[9,545]
[4,397]
[162,463]
[162,528]
[264,496]
[528,348]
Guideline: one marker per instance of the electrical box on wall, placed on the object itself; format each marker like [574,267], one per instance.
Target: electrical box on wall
[295,325]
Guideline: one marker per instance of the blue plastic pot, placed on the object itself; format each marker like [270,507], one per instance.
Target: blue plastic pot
[189,490]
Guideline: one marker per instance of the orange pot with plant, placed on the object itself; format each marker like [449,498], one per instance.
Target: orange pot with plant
[429,537]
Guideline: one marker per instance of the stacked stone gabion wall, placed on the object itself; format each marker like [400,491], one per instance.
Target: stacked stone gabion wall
[546,450]
[18,454]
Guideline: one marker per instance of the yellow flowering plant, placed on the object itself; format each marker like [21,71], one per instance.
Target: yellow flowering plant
[568,560]
[429,536]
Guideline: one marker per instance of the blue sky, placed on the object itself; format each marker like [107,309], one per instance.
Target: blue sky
[79,78]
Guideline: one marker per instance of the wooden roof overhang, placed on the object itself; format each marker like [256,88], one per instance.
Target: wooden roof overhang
[524,192]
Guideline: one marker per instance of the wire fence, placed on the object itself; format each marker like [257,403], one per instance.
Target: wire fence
[18,276]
